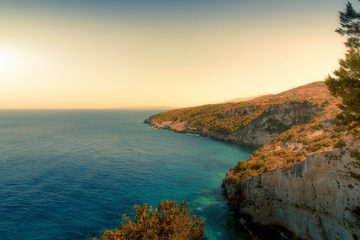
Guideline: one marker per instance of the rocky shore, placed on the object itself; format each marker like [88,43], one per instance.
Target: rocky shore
[305,176]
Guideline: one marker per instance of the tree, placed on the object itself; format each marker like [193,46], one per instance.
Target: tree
[169,221]
[346,80]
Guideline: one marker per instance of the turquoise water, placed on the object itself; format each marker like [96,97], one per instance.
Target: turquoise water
[71,174]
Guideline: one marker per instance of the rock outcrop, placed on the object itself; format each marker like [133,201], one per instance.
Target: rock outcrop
[318,198]
[275,120]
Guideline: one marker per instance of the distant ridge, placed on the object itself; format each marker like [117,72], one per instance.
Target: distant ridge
[242,99]
[228,121]
[306,91]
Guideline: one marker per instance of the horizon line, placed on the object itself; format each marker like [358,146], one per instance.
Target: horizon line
[83,109]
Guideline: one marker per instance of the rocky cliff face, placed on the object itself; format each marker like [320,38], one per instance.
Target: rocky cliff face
[318,198]
[275,120]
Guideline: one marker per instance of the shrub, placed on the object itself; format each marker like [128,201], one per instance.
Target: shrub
[275,126]
[355,176]
[340,144]
[355,154]
[356,212]
[169,221]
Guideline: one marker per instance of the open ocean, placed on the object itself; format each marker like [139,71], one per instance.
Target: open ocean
[71,174]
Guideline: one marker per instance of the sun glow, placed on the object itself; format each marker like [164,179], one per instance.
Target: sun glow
[122,61]
[9,60]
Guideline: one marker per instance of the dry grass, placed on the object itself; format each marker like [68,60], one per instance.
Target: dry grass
[229,117]
[291,147]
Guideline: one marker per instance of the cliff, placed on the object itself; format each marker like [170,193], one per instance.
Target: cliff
[305,176]
[318,198]
[306,180]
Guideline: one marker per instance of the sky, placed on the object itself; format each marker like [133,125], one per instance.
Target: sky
[149,54]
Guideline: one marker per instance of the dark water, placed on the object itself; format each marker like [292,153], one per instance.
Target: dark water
[70,174]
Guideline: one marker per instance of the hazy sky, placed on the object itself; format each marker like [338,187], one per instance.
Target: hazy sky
[121,54]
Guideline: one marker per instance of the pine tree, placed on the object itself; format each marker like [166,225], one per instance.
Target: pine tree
[345,82]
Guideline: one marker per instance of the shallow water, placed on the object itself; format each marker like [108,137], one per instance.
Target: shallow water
[71,174]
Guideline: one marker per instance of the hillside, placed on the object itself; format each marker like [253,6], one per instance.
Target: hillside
[304,177]
[253,122]
[306,180]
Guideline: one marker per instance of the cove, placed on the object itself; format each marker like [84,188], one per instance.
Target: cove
[71,174]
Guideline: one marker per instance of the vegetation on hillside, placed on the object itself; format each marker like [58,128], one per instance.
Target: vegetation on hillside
[292,147]
[222,118]
[346,80]
[169,221]
[227,118]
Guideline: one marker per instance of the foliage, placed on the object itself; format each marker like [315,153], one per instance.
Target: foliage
[223,118]
[346,80]
[355,154]
[292,146]
[276,126]
[340,144]
[356,212]
[350,26]
[169,221]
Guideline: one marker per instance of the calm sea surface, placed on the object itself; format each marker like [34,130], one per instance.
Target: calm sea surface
[71,174]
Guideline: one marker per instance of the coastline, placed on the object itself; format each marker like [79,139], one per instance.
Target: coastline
[255,230]
[309,154]
[244,198]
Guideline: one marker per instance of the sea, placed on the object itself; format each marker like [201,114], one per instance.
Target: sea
[70,174]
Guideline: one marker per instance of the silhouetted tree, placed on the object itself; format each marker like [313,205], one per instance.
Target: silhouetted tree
[346,80]
[169,221]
